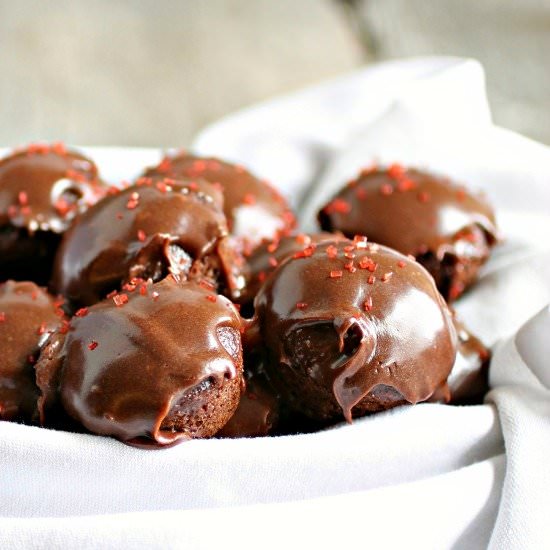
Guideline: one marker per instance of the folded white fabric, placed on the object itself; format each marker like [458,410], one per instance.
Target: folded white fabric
[432,476]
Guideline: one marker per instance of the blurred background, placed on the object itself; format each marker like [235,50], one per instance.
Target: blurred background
[154,72]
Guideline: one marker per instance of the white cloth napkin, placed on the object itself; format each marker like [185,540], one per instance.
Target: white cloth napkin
[432,476]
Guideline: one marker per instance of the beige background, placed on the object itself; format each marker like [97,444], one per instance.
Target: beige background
[148,72]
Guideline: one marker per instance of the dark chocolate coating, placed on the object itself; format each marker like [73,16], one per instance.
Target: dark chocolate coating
[28,315]
[469,380]
[254,209]
[147,230]
[42,188]
[258,412]
[448,229]
[263,260]
[352,328]
[161,367]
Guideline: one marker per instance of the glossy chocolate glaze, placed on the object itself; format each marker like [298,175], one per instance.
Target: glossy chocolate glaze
[28,315]
[469,379]
[351,328]
[163,365]
[264,259]
[448,229]
[147,230]
[254,209]
[258,413]
[42,188]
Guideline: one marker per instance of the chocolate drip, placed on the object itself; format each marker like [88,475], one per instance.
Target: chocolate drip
[469,379]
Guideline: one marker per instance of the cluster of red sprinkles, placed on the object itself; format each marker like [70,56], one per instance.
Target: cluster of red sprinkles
[401,182]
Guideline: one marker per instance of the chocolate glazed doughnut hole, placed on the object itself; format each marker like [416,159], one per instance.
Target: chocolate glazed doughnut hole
[149,230]
[352,328]
[152,367]
[254,209]
[42,189]
[449,230]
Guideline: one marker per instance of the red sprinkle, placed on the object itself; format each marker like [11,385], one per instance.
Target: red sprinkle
[360,241]
[367,263]
[338,205]
[141,235]
[62,207]
[371,279]
[401,263]
[2,316]
[423,196]
[332,251]
[120,299]
[41,329]
[165,165]
[396,171]
[133,201]
[336,274]
[273,262]
[59,148]
[306,252]
[211,298]
[82,312]
[302,238]
[386,189]
[23,198]
[368,304]
[361,193]
[161,186]
[112,293]
[272,247]
[350,267]
[301,305]
[207,285]
[406,185]
[456,290]
[92,345]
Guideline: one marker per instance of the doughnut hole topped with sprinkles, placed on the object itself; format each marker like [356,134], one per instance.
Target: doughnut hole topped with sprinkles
[154,228]
[42,188]
[158,367]
[254,209]
[371,338]
[449,229]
